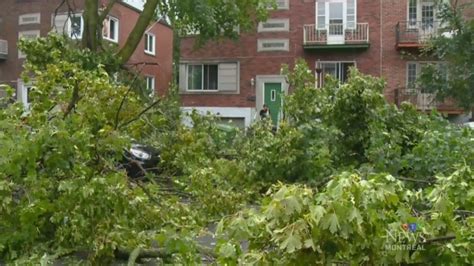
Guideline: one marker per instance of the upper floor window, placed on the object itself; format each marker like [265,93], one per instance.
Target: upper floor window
[71,25]
[110,29]
[336,15]
[33,18]
[421,13]
[150,43]
[27,35]
[76,27]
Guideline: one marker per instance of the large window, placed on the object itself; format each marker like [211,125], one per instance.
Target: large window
[336,15]
[110,29]
[70,25]
[421,11]
[209,77]
[202,77]
[76,26]
[150,43]
[339,70]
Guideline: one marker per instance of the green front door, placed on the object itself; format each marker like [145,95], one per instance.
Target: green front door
[272,98]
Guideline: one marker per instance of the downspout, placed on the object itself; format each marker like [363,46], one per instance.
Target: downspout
[381,38]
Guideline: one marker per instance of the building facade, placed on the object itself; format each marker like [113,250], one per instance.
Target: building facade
[36,18]
[233,79]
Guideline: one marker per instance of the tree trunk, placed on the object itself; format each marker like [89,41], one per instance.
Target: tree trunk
[137,33]
[91,36]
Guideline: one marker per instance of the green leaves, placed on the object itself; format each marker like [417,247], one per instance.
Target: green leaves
[330,222]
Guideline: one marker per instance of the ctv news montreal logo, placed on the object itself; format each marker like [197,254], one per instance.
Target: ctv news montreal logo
[409,239]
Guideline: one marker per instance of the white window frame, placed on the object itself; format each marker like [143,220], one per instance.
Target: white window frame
[107,36]
[340,67]
[148,51]
[284,21]
[27,32]
[153,85]
[418,6]
[37,17]
[202,79]
[69,26]
[261,45]
[23,92]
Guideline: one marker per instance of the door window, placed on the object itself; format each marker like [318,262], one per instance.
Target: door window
[336,18]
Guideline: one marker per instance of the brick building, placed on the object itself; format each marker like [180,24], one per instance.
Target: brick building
[35,18]
[234,79]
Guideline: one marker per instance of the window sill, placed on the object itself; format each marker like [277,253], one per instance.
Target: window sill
[110,40]
[150,53]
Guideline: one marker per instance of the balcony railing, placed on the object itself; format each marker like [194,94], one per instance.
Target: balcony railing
[3,49]
[336,34]
[416,33]
[425,101]
[422,101]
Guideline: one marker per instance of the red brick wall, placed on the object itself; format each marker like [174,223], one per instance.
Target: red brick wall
[254,63]
[160,64]
[381,59]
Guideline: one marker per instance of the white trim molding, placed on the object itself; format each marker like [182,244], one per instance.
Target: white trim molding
[273,45]
[274,25]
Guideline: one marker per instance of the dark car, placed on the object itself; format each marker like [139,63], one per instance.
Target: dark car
[141,159]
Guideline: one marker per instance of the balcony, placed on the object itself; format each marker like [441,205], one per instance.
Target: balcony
[3,49]
[425,102]
[415,34]
[336,36]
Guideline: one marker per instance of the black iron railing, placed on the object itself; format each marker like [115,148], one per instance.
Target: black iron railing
[416,32]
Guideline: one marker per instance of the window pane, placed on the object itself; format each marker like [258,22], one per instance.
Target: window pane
[321,15]
[329,69]
[321,9]
[411,76]
[210,77]
[112,29]
[76,26]
[321,22]
[146,42]
[345,71]
[335,10]
[412,12]
[195,77]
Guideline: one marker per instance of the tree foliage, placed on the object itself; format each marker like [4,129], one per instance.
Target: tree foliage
[454,79]
[211,19]
[346,174]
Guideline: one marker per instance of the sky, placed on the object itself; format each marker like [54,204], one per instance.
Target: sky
[136,3]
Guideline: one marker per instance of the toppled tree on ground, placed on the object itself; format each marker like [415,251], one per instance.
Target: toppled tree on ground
[345,172]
